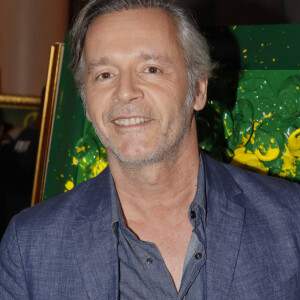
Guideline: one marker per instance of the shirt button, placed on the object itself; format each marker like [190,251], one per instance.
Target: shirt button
[193,214]
[149,261]
[198,255]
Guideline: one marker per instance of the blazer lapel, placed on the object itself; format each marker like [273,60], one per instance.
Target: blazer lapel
[94,243]
[224,229]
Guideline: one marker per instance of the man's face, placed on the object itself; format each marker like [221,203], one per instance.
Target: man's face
[136,85]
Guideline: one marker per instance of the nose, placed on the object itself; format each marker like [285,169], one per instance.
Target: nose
[127,88]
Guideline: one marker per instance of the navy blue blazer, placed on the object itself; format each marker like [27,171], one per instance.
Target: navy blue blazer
[64,248]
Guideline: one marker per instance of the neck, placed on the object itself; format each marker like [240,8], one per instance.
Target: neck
[159,190]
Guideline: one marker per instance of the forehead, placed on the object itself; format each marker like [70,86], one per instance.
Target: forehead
[134,26]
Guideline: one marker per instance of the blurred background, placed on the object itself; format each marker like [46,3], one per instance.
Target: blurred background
[28,29]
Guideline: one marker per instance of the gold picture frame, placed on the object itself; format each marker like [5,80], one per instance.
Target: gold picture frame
[20,102]
[55,61]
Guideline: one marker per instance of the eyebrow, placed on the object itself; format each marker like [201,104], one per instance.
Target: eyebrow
[105,60]
[156,57]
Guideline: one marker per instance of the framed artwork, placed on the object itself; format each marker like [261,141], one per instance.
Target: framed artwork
[19,102]
[16,110]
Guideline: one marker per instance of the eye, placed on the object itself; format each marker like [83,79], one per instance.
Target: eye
[105,75]
[152,70]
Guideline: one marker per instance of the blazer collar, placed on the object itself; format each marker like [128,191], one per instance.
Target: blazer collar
[94,244]
[225,218]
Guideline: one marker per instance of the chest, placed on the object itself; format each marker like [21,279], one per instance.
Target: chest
[172,243]
[144,271]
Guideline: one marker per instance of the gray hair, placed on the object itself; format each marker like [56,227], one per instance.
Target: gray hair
[197,58]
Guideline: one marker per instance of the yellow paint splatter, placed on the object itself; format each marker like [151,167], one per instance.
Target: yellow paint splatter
[229,133]
[98,167]
[79,149]
[273,59]
[75,161]
[256,124]
[229,153]
[234,27]
[62,175]
[289,166]
[266,154]
[281,174]
[294,143]
[69,185]
[261,62]
[269,115]
[245,56]
[245,50]
[297,87]
[262,44]
[248,161]
[245,139]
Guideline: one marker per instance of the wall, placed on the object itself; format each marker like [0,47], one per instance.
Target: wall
[27,30]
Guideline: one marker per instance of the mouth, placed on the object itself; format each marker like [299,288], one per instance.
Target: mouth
[131,121]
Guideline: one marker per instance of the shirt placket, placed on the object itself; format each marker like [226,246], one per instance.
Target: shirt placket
[196,256]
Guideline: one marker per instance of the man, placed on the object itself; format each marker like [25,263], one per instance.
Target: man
[162,222]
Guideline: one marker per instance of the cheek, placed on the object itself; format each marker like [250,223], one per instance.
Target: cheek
[167,93]
[98,102]
[96,91]
[96,112]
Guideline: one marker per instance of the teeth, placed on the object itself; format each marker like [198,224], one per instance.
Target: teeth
[131,121]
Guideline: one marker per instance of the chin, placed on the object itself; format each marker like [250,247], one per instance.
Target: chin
[129,158]
[143,158]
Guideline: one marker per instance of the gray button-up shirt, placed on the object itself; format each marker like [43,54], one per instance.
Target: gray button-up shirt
[143,273]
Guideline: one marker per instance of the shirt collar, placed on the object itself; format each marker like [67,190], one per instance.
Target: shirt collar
[197,210]
[116,212]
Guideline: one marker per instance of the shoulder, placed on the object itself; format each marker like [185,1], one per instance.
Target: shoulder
[252,181]
[265,186]
[260,192]
[41,239]
[58,212]
[269,196]
[271,183]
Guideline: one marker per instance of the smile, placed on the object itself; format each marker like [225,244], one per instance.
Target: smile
[131,121]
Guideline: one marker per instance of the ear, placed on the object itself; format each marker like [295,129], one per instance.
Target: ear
[200,98]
